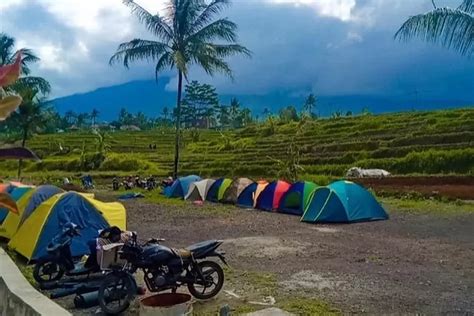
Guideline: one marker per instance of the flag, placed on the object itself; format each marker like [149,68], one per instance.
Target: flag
[10,73]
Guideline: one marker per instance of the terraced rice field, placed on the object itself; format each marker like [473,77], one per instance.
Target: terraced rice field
[437,142]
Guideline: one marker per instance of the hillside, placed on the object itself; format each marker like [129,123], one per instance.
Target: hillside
[151,97]
[437,142]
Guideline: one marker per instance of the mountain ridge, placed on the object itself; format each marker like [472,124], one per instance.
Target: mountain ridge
[150,97]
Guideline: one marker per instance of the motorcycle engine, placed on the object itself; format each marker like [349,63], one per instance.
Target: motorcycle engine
[156,279]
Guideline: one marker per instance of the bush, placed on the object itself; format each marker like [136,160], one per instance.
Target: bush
[128,162]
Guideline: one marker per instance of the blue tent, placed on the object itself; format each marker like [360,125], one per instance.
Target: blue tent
[180,186]
[343,202]
[40,194]
[245,198]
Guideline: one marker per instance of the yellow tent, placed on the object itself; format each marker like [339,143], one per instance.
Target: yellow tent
[49,218]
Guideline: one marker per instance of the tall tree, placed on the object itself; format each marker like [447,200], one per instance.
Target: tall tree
[187,34]
[166,112]
[310,104]
[30,116]
[70,117]
[452,28]
[199,103]
[8,55]
[94,115]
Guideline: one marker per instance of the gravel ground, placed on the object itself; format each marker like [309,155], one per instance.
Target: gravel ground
[412,263]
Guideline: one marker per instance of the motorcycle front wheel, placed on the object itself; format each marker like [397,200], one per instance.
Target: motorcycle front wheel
[116,293]
[212,283]
[47,271]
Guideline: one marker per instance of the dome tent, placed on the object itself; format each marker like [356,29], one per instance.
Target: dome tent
[271,196]
[248,197]
[198,190]
[180,186]
[233,192]
[50,217]
[217,190]
[26,206]
[343,202]
[294,201]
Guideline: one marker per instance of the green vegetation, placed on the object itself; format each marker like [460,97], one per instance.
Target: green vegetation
[452,28]
[188,34]
[436,142]
[421,205]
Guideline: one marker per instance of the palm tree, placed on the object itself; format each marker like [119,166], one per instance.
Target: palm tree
[94,115]
[31,115]
[166,112]
[186,35]
[8,55]
[452,28]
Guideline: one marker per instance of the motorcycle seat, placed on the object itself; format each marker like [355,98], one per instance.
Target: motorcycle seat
[183,253]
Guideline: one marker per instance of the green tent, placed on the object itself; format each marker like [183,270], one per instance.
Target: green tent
[296,198]
[217,190]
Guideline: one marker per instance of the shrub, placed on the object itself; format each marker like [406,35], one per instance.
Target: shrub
[128,162]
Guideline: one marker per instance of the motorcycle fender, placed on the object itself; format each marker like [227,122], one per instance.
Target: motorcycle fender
[220,255]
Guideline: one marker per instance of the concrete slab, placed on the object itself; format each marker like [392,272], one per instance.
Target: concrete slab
[18,297]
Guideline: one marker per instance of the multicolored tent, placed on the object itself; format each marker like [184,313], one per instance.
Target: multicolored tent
[198,190]
[270,197]
[50,217]
[27,203]
[343,202]
[233,192]
[180,186]
[294,201]
[217,190]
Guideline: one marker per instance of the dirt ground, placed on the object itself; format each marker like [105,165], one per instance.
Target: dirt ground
[454,187]
[413,263]
[410,263]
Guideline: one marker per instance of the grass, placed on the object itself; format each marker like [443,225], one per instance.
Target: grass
[428,206]
[434,142]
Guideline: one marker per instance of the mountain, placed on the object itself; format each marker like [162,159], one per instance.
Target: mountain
[151,97]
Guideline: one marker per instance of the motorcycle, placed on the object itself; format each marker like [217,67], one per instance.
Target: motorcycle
[59,260]
[164,269]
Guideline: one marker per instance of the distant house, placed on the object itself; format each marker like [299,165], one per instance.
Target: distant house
[132,128]
[73,128]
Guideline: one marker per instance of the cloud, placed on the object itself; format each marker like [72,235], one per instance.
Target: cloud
[327,46]
[340,9]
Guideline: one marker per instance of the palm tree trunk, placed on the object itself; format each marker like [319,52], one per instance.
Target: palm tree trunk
[178,124]
[23,143]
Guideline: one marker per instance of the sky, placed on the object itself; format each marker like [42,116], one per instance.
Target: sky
[329,47]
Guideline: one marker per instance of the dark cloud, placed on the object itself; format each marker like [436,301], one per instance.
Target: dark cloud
[294,50]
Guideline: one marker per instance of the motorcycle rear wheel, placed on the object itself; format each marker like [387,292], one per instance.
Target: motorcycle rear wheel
[47,271]
[213,280]
[116,293]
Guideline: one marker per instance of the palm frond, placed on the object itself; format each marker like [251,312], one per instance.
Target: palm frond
[212,64]
[7,44]
[222,50]
[181,62]
[212,9]
[153,23]
[222,29]
[467,6]
[166,60]
[451,28]
[37,84]
[138,49]
[28,57]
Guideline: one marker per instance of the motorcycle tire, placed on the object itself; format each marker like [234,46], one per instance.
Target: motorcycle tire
[116,287]
[48,271]
[208,268]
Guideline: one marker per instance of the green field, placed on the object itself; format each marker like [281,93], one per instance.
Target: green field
[436,142]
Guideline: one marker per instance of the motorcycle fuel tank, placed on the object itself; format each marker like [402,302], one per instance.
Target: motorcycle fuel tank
[153,255]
